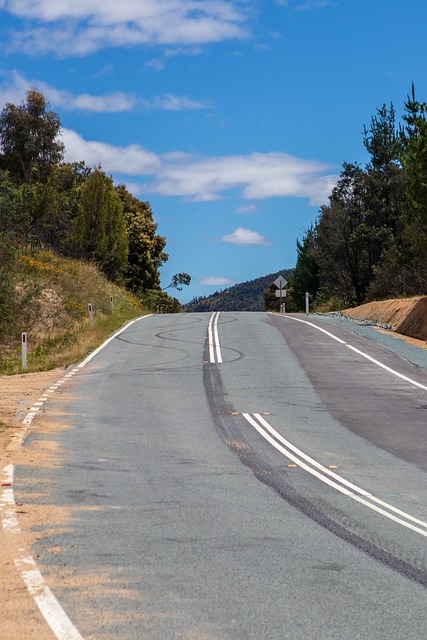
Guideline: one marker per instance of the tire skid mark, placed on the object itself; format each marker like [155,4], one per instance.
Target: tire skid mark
[227,426]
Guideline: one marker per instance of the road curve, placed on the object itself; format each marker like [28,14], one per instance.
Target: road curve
[238,476]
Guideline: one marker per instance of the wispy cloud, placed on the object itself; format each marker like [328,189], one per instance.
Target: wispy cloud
[214,281]
[305,5]
[247,209]
[80,27]
[170,102]
[246,237]
[257,175]
[14,87]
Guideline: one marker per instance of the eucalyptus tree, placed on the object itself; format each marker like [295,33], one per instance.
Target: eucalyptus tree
[146,247]
[29,138]
[99,228]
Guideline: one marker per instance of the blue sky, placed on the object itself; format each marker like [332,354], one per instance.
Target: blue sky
[231,117]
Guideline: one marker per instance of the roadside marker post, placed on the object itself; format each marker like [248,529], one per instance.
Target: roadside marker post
[307,303]
[24,350]
[112,304]
[90,309]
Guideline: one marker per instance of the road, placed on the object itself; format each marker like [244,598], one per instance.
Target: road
[238,476]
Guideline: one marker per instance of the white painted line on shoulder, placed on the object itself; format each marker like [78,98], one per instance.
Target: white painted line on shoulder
[104,344]
[386,368]
[50,608]
[361,353]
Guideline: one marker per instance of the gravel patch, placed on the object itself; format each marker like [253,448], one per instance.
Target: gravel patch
[371,330]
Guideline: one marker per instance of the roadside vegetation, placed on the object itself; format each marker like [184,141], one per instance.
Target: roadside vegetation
[68,237]
[370,241]
[49,301]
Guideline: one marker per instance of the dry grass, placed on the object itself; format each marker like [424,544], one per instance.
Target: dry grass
[59,332]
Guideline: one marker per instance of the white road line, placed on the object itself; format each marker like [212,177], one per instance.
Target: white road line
[337,482]
[210,340]
[50,608]
[104,344]
[361,353]
[215,355]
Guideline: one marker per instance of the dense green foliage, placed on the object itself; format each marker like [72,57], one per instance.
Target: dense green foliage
[71,209]
[370,241]
[246,296]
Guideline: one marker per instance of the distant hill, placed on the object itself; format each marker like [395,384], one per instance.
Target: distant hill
[246,296]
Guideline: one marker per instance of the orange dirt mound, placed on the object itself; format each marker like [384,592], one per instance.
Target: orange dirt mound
[407,316]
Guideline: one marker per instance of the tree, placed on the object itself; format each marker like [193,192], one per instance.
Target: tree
[307,271]
[178,280]
[29,137]
[14,226]
[159,301]
[414,160]
[146,246]
[99,229]
[382,140]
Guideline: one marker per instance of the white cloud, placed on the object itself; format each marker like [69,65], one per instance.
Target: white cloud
[79,27]
[15,86]
[258,176]
[216,281]
[156,64]
[305,5]
[132,160]
[246,237]
[247,209]
[170,102]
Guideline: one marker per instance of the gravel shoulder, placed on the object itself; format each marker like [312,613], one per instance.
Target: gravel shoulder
[411,349]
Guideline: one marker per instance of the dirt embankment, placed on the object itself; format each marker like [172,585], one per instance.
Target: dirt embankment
[407,317]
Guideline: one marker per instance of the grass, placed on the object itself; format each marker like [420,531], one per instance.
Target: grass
[56,317]
[4,426]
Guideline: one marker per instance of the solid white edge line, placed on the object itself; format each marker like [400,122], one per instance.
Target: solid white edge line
[104,344]
[361,353]
[383,366]
[325,479]
[331,335]
[49,606]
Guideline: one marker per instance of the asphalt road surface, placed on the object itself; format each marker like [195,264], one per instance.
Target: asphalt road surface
[239,476]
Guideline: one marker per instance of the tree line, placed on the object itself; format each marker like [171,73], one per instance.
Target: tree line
[370,240]
[72,209]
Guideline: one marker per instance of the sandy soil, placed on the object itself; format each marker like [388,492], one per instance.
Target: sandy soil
[407,317]
[19,616]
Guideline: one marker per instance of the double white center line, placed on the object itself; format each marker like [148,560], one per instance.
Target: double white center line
[215,356]
[333,479]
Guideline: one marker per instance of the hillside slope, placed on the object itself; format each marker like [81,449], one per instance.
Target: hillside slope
[246,296]
[49,299]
